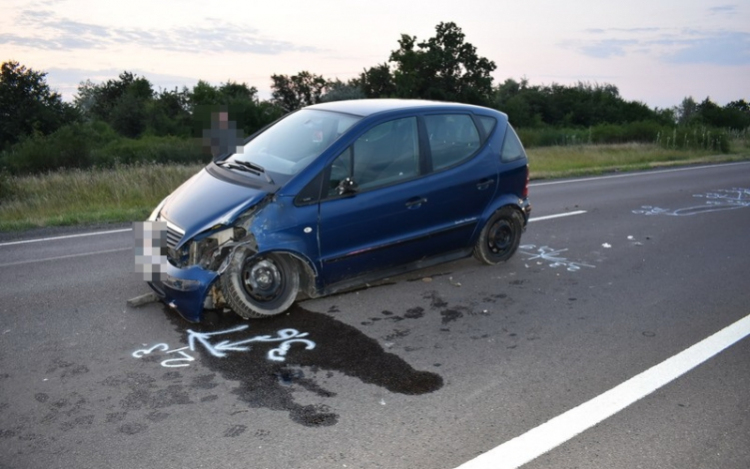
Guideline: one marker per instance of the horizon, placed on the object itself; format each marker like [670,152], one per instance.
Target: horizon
[657,53]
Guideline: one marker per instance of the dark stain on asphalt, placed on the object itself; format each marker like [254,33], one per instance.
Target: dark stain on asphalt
[414,313]
[436,302]
[450,315]
[338,347]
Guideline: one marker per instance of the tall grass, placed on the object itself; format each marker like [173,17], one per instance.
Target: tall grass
[78,196]
[668,137]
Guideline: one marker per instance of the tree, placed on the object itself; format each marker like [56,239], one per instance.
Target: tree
[169,113]
[377,82]
[738,114]
[734,115]
[296,91]
[122,103]
[339,91]
[687,111]
[239,100]
[443,68]
[28,106]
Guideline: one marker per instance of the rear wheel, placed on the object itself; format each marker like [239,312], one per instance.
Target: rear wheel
[258,286]
[500,237]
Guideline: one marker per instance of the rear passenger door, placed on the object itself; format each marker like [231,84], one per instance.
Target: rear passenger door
[462,180]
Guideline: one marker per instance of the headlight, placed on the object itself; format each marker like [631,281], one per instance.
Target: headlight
[205,251]
[155,214]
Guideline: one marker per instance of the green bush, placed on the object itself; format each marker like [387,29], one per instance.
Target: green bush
[68,147]
[680,137]
[149,149]
[552,136]
[96,144]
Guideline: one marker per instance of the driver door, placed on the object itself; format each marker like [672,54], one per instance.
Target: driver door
[367,223]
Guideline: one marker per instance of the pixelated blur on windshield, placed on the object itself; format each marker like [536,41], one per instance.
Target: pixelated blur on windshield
[295,141]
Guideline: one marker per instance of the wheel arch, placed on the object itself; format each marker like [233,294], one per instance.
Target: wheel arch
[496,205]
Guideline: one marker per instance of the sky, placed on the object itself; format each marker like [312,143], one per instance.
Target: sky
[654,51]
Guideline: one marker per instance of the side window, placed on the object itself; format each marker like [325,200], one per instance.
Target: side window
[512,147]
[340,170]
[488,123]
[387,153]
[453,138]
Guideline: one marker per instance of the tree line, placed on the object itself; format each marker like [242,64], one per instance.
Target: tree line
[125,119]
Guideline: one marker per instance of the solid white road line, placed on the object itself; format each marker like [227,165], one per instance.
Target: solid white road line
[79,235]
[125,230]
[635,174]
[562,428]
[557,215]
[69,256]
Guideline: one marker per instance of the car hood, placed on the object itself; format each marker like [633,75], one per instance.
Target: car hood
[205,201]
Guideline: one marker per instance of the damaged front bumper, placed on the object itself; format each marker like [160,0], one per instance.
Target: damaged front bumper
[184,290]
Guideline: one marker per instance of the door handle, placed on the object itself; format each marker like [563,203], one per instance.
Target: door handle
[485,184]
[416,202]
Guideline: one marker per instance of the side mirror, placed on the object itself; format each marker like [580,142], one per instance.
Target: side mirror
[346,186]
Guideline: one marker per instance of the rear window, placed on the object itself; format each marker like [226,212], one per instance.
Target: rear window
[487,123]
[512,147]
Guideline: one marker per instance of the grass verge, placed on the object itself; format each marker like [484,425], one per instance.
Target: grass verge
[584,160]
[79,197]
[127,193]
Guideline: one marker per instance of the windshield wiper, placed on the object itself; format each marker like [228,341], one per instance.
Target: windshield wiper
[258,169]
[247,167]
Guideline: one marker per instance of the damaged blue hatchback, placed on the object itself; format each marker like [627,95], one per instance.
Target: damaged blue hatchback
[333,196]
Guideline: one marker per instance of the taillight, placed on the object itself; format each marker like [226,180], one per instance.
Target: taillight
[525,192]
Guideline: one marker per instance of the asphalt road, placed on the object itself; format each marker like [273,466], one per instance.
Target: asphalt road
[428,370]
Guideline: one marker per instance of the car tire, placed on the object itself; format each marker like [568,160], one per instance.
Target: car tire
[260,286]
[500,236]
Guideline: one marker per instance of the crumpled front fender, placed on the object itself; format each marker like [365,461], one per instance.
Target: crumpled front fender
[185,290]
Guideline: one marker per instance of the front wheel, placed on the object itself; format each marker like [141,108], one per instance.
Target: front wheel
[258,286]
[500,237]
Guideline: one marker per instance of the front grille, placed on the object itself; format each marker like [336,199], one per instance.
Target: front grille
[174,235]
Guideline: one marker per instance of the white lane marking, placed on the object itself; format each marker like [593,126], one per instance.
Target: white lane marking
[564,427]
[635,174]
[69,256]
[79,235]
[557,215]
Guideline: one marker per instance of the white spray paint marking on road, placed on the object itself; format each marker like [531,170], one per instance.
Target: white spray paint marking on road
[286,337]
[547,254]
[546,437]
[723,199]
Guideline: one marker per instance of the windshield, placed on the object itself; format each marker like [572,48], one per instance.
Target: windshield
[295,141]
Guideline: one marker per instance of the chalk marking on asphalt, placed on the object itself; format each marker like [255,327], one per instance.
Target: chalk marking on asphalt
[557,215]
[55,238]
[635,174]
[538,441]
[69,256]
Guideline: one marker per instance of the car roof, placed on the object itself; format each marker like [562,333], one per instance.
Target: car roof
[366,107]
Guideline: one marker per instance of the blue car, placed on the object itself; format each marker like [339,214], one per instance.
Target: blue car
[333,196]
